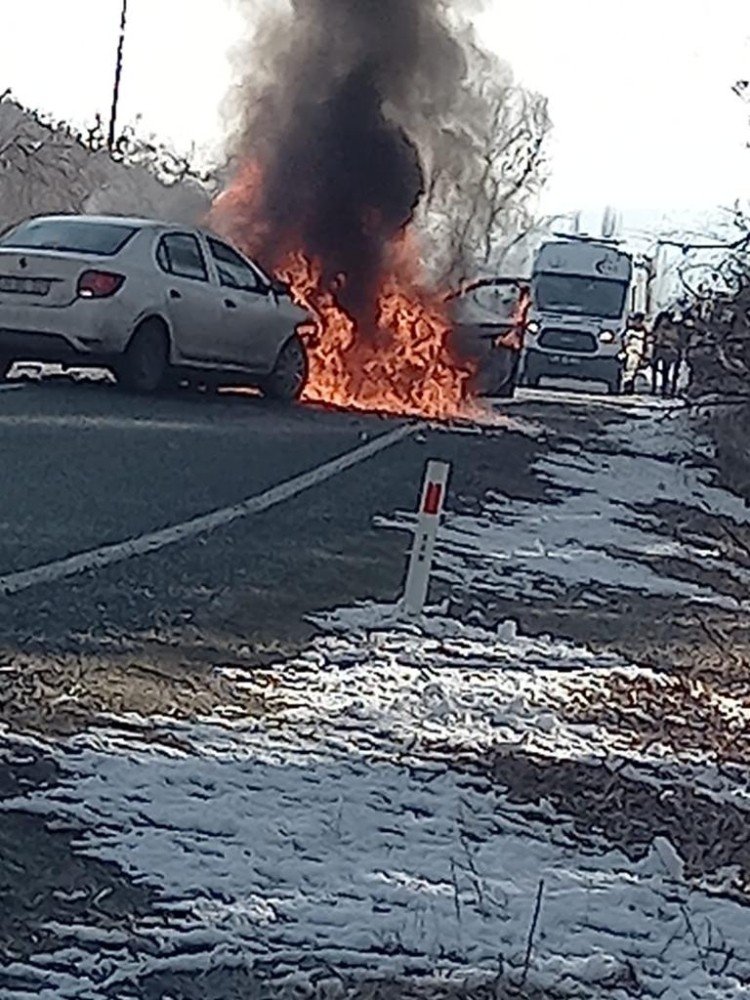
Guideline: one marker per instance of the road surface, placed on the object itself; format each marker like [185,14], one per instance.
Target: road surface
[230,769]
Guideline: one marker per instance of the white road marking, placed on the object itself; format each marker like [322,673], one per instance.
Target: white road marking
[61,569]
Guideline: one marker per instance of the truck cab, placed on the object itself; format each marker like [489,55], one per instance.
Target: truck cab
[579,304]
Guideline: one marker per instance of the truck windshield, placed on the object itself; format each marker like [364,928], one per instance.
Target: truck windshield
[572,293]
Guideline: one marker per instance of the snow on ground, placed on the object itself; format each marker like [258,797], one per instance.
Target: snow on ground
[593,529]
[356,823]
[338,828]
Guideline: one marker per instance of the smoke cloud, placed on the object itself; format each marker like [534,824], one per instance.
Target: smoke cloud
[329,89]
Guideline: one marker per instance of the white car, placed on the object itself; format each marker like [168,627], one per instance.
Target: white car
[151,301]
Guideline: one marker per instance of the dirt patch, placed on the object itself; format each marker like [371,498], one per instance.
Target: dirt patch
[729,428]
[62,695]
[653,631]
[44,879]
[685,712]
[327,984]
[629,814]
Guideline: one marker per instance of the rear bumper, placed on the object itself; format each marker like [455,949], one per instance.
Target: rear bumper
[23,346]
[85,331]
[53,348]
[538,364]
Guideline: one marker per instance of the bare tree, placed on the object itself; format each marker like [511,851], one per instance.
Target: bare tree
[48,166]
[483,171]
[714,273]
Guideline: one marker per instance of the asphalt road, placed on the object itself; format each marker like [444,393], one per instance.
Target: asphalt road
[87,467]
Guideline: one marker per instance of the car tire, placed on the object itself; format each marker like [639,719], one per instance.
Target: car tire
[507,373]
[529,377]
[289,376]
[506,391]
[144,367]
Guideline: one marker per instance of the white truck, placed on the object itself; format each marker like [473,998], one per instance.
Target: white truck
[580,300]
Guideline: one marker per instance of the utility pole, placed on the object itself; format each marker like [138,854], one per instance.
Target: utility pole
[118,77]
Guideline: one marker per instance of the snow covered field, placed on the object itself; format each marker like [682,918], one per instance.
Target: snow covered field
[360,824]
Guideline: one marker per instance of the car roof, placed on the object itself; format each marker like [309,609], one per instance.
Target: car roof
[101,220]
[472,286]
[484,282]
[126,220]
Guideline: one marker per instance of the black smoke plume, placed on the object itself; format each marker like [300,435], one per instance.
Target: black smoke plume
[329,90]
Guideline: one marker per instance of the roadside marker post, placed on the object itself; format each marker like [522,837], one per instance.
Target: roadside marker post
[425,535]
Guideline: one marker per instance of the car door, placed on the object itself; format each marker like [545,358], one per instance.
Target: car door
[191,299]
[254,325]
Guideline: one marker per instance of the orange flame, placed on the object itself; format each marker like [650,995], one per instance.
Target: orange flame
[405,366]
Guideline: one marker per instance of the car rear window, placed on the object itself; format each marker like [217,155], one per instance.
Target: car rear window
[104,239]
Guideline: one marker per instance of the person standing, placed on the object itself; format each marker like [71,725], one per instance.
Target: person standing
[687,330]
[635,350]
[666,357]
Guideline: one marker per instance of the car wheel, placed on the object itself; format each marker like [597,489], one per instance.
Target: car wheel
[529,377]
[145,364]
[506,390]
[289,376]
[507,373]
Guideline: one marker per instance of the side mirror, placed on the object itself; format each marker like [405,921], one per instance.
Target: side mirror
[278,289]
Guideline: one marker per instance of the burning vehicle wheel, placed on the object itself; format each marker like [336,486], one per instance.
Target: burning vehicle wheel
[288,378]
[508,374]
[144,366]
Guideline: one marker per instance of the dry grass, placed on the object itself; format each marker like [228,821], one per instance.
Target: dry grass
[62,695]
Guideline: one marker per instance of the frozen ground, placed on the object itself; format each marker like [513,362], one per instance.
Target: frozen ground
[364,823]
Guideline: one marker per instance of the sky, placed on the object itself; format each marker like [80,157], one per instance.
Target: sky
[640,90]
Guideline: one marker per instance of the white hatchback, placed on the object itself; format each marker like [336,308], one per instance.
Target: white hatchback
[154,302]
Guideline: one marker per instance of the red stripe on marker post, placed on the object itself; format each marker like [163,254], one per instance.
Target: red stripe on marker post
[432,499]
[425,536]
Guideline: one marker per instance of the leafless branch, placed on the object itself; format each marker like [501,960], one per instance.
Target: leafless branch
[532,932]
[482,173]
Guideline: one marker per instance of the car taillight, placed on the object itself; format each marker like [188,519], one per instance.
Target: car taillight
[99,284]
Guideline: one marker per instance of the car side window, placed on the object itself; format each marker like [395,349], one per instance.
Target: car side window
[180,254]
[233,271]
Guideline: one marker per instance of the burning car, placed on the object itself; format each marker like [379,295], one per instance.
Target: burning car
[490,320]
[151,301]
